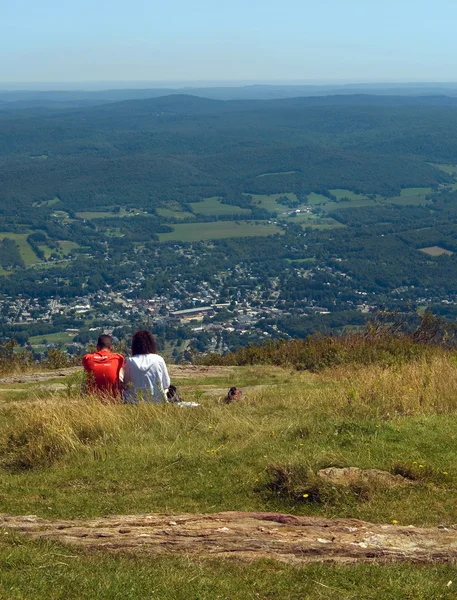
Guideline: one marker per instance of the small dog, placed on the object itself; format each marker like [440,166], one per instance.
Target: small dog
[234,394]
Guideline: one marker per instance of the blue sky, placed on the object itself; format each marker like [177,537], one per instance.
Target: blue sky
[250,40]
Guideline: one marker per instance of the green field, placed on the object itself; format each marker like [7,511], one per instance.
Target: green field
[90,215]
[109,214]
[46,250]
[424,191]
[213,207]
[28,255]
[407,200]
[62,337]
[269,201]
[198,232]
[340,194]
[174,214]
[278,173]
[314,199]
[47,202]
[449,169]
[67,246]
[300,261]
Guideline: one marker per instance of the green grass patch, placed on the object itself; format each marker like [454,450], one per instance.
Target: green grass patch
[341,193]
[91,215]
[109,213]
[277,173]
[449,169]
[348,204]
[407,200]
[67,246]
[60,214]
[300,261]
[418,191]
[39,570]
[174,214]
[67,457]
[314,199]
[52,202]
[28,255]
[193,232]
[213,207]
[61,337]
[269,201]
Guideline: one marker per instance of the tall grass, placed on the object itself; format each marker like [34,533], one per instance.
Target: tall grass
[387,340]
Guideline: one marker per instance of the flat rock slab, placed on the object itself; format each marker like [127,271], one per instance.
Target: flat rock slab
[248,537]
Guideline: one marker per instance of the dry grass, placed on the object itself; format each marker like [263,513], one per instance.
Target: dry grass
[424,386]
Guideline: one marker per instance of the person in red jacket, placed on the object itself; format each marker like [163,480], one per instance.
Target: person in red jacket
[104,368]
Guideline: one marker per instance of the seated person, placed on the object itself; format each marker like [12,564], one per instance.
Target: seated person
[104,368]
[145,376]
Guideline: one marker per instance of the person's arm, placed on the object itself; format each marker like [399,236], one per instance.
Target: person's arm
[120,369]
[165,377]
[127,374]
[86,363]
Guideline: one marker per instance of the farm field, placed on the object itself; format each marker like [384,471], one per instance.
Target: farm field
[407,200]
[194,232]
[341,193]
[28,255]
[436,251]
[109,214]
[416,191]
[314,199]
[269,201]
[61,337]
[348,204]
[213,207]
[174,214]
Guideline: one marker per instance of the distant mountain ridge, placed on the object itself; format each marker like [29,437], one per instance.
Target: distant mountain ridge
[78,98]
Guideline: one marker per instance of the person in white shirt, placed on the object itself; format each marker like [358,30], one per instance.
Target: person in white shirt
[146,376]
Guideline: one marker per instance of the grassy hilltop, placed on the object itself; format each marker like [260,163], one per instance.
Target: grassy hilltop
[67,456]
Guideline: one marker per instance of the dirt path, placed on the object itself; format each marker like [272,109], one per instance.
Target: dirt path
[176,372]
[38,377]
[248,536]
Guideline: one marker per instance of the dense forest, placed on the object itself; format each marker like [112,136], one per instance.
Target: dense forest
[147,153]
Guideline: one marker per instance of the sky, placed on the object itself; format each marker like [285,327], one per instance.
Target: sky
[227,40]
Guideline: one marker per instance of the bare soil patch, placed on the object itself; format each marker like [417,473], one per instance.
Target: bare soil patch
[248,537]
[436,251]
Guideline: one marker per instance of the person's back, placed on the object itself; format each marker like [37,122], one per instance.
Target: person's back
[146,376]
[104,367]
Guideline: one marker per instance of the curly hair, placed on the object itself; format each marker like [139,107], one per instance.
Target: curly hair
[143,342]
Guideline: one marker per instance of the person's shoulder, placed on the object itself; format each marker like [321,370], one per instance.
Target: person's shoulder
[118,356]
[88,356]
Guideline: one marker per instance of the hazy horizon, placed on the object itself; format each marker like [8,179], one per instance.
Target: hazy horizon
[89,86]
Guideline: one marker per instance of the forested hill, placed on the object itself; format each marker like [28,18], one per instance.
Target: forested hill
[148,153]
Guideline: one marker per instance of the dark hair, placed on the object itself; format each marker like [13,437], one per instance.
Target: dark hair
[143,342]
[105,341]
